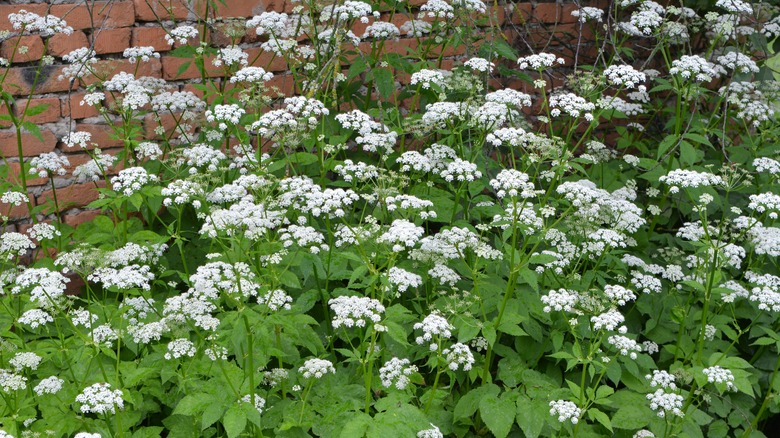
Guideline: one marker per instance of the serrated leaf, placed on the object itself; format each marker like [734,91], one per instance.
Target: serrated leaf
[193,404]
[498,414]
[469,403]
[234,421]
[357,426]
[601,417]
[384,82]
[531,415]
[211,415]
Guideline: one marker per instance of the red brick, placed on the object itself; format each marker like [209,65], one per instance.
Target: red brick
[554,13]
[60,44]
[74,220]
[31,145]
[267,60]
[277,6]
[167,121]
[49,115]
[283,84]
[20,80]
[110,67]
[72,107]
[159,10]
[244,8]
[171,66]
[12,48]
[100,14]
[77,195]
[32,179]
[101,134]
[111,40]
[150,36]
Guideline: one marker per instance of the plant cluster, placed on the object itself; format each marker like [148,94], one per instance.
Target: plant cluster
[405,250]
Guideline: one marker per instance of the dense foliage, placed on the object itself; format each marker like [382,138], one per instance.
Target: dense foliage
[402,250]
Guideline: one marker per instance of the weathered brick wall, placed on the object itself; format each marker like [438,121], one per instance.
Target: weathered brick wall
[110,26]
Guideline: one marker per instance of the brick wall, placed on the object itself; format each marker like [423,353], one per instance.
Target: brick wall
[111,26]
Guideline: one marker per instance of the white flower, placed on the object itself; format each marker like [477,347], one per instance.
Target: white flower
[396,372]
[624,75]
[587,13]
[434,432]
[100,399]
[26,359]
[618,294]
[356,311]
[224,114]
[565,410]
[35,318]
[609,320]
[49,385]
[254,400]
[403,279]
[437,9]
[12,382]
[179,348]
[720,375]
[695,67]
[666,403]
[539,61]
[626,346]
[690,178]
[459,356]
[735,6]
[425,78]
[662,379]
[572,105]
[251,75]
[79,138]
[316,368]
[103,335]
[276,299]
[738,61]
[131,180]
[49,163]
[231,55]
[382,30]
[480,64]
[560,300]
[143,54]
[181,34]
[512,183]
[433,325]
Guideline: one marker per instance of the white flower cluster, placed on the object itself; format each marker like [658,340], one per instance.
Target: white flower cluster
[719,375]
[12,382]
[46,288]
[763,164]
[481,65]
[739,62]
[356,311]
[433,432]
[231,55]
[276,299]
[46,25]
[382,30]
[509,97]
[412,205]
[348,10]
[396,372]
[25,359]
[695,67]
[143,54]
[460,171]
[402,235]
[316,368]
[588,13]
[224,114]
[177,101]
[80,61]
[304,237]
[572,105]
[512,183]
[131,180]
[624,76]
[416,28]
[100,399]
[678,178]
[560,300]
[251,75]
[444,274]
[609,320]
[180,347]
[15,244]
[662,379]
[665,403]
[437,9]
[565,411]
[35,318]
[458,356]
[425,78]
[278,25]
[626,346]
[433,325]
[49,385]
[618,294]
[539,61]
[735,6]
[181,34]
[236,280]
[453,243]
[255,400]
[360,171]
[403,279]
[765,202]
[49,163]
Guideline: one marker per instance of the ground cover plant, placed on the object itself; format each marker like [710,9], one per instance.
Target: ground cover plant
[405,250]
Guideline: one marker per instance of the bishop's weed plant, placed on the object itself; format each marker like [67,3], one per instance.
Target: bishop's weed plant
[403,249]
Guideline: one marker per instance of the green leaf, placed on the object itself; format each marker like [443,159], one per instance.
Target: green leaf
[505,50]
[37,109]
[211,415]
[384,82]
[33,129]
[193,404]
[688,154]
[530,277]
[469,403]
[498,414]
[666,143]
[357,426]
[531,415]
[234,421]
[601,417]
[633,412]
